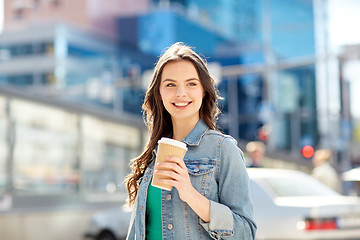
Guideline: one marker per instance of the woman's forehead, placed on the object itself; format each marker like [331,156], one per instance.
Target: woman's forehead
[178,70]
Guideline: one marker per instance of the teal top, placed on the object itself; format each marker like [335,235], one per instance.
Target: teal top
[153,213]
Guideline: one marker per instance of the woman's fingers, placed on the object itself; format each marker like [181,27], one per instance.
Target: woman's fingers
[169,167]
[175,173]
[174,168]
[167,173]
[175,160]
[174,163]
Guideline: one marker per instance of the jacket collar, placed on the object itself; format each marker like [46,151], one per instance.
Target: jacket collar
[195,136]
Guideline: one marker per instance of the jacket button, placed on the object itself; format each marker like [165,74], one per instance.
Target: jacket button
[168,197]
[170,226]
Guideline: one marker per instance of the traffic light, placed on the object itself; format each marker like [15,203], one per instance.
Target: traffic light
[307,151]
[264,132]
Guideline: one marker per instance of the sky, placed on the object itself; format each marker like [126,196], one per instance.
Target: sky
[343,22]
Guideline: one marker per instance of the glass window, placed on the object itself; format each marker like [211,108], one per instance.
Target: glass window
[24,79]
[107,150]
[250,89]
[81,52]
[133,99]
[22,49]
[295,100]
[26,49]
[46,147]
[47,47]
[5,53]
[247,91]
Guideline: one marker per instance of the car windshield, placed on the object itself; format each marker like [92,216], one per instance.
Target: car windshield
[297,185]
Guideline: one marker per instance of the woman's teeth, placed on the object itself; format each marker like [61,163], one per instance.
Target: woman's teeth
[180,104]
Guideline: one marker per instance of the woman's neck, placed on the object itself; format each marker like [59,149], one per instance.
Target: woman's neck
[182,128]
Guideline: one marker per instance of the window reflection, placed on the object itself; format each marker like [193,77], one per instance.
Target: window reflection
[45,153]
[28,49]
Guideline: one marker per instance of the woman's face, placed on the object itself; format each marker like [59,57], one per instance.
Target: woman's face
[181,91]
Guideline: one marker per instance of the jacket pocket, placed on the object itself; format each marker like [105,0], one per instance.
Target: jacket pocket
[201,173]
[200,166]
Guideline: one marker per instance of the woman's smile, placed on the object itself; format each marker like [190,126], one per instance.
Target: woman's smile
[181,104]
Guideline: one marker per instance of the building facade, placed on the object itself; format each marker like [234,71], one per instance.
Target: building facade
[265,50]
[56,154]
[84,14]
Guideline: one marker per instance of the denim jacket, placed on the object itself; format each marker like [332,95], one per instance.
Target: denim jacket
[217,170]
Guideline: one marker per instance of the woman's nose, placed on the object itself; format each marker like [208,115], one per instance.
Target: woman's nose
[180,92]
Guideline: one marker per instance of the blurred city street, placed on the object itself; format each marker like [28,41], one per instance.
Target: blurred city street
[73,75]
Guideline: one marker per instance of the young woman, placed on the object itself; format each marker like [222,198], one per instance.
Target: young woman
[210,196]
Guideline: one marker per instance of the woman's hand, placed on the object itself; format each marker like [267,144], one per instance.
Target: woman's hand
[175,169]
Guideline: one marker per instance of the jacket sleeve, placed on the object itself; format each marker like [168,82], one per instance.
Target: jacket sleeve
[232,216]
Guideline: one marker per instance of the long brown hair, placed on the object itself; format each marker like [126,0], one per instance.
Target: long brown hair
[158,120]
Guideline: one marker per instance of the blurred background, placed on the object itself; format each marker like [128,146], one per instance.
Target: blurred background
[73,75]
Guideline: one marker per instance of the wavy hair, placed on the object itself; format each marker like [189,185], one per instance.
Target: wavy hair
[158,120]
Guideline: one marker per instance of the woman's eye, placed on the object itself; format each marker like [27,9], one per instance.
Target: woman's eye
[170,85]
[192,84]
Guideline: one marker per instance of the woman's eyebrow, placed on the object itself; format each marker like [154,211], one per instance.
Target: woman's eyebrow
[168,79]
[187,80]
[191,79]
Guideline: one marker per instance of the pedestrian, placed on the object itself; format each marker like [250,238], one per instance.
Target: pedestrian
[324,171]
[210,197]
[256,152]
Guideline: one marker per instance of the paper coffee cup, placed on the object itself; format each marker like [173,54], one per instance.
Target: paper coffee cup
[167,147]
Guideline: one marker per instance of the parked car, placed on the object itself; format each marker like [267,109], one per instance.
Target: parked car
[352,177]
[109,224]
[292,205]
[288,204]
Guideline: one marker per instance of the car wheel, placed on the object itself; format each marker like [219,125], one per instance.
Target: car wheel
[106,235]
